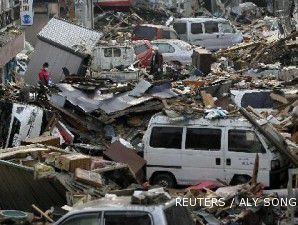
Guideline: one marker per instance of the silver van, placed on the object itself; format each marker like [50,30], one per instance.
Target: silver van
[210,33]
[189,151]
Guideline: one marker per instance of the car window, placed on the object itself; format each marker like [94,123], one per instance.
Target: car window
[140,48]
[117,52]
[166,137]
[211,27]
[127,218]
[196,28]
[178,215]
[203,139]
[146,33]
[83,219]
[226,28]
[165,48]
[261,100]
[245,141]
[108,52]
[180,28]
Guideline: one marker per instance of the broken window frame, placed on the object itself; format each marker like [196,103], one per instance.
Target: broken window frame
[249,145]
[204,133]
[167,146]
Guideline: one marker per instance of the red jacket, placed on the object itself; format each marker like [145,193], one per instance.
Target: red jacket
[43,76]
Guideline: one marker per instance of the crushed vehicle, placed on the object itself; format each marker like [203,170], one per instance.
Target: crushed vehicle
[174,51]
[210,33]
[189,151]
[144,52]
[112,56]
[110,211]
[18,122]
[153,32]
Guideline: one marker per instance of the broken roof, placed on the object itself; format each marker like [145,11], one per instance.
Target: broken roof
[73,37]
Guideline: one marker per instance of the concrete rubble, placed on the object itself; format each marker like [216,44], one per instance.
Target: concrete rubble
[88,136]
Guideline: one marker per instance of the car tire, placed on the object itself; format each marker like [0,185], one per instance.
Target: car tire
[165,180]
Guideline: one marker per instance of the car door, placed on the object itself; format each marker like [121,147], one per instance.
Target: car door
[163,150]
[127,218]
[202,155]
[241,149]
[211,36]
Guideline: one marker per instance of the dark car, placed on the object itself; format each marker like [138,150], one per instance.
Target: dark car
[152,32]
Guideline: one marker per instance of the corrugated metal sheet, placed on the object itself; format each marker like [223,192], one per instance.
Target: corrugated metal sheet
[56,57]
[69,35]
[19,190]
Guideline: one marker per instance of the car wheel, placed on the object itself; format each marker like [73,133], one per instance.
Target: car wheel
[165,180]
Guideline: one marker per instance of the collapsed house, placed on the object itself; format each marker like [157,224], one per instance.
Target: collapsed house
[62,44]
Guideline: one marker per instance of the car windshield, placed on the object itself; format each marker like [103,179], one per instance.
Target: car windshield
[178,215]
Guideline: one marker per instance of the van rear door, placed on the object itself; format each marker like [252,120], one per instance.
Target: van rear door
[202,155]
[241,150]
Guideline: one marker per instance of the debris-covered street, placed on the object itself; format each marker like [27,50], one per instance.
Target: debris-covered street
[149,112]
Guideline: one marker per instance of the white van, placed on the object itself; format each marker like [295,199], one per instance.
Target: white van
[210,33]
[191,151]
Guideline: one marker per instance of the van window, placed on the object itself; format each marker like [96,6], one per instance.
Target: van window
[245,141]
[82,219]
[196,28]
[146,33]
[166,137]
[165,48]
[226,28]
[127,218]
[180,28]
[211,27]
[203,139]
[108,52]
[178,215]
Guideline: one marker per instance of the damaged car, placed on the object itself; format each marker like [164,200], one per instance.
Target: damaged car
[210,33]
[176,51]
[190,151]
[153,32]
